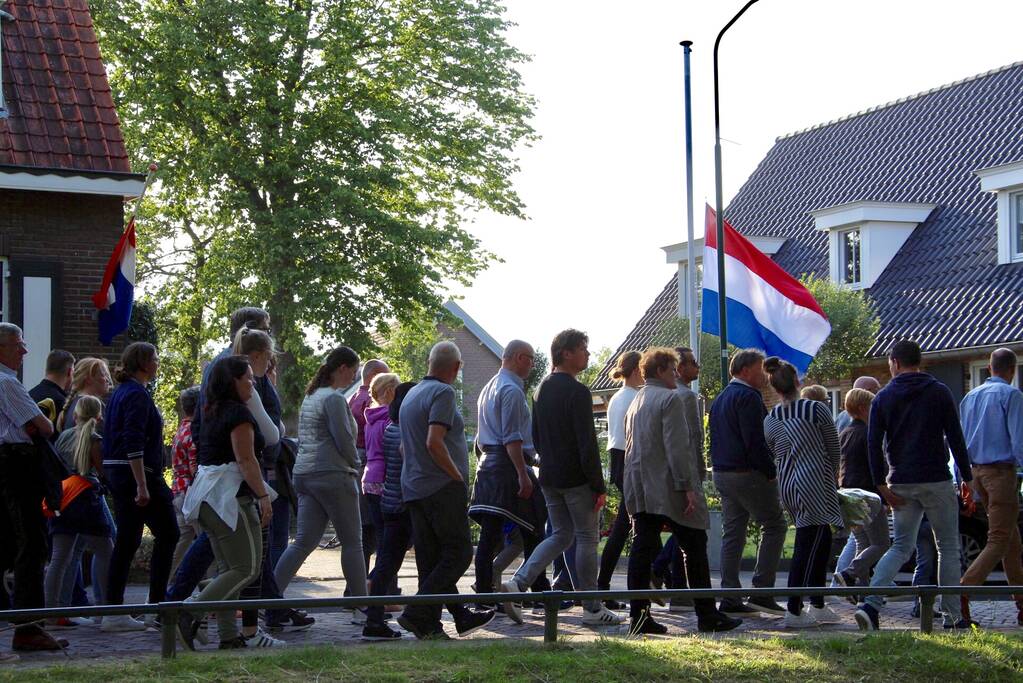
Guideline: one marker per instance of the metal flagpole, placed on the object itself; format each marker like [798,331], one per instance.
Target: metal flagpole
[722,314]
[694,328]
[150,176]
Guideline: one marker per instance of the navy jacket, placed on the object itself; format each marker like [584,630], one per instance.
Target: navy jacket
[391,502]
[737,439]
[917,413]
[132,429]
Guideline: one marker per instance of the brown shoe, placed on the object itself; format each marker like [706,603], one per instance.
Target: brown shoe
[35,639]
[964,604]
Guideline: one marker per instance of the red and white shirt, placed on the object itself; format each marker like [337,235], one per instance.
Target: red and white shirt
[184,460]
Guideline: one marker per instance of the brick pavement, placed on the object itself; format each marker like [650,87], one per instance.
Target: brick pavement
[320,578]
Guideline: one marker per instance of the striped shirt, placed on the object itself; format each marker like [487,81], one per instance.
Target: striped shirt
[803,439]
[16,408]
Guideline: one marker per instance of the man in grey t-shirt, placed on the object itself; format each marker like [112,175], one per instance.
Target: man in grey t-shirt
[433,485]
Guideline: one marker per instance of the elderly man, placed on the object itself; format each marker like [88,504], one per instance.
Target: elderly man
[506,490]
[867,383]
[992,418]
[434,488]
[570,475]
[22,526]
[745,476]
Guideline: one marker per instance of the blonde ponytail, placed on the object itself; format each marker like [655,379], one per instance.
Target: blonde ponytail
[88,411]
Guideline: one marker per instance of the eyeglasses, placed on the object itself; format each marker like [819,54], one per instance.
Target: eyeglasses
[19,344]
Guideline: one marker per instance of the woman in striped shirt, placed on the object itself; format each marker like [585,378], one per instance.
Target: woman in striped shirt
[801,434]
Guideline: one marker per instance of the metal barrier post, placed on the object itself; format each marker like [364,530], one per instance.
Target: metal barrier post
[168,633]
[551,607]
[926,610]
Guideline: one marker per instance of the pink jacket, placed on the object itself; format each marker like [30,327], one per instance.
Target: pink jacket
[377,420]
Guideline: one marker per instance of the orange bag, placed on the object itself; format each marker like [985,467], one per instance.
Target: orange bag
[73,486]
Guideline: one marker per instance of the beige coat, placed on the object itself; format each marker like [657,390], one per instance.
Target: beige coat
[693,409]
[660,461]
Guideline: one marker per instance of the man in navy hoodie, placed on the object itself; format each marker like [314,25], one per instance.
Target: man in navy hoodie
[917,415]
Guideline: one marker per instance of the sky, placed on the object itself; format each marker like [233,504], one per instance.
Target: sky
[604,187]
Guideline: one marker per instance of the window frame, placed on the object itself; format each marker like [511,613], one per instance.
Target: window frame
[5,290]
[1016,225]
[843,264]
[979,375]
[835,399]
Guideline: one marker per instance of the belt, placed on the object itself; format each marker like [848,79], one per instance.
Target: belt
[734,470]
[529,459]
[1002,465]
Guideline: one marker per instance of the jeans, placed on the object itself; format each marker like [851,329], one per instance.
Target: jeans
[158,515]
[238,556]
[72,591]
[324,497]
[280,526]
[492,539]
[871,542]
[925,571]
[573,517]
[22,525]
[745,495]
[440,531]
[1000,492]
[938,501]
[614,545]
[192,569]
[394,541]
[645,546]
[188,532]
[809,568]
[670,564]
[62,559]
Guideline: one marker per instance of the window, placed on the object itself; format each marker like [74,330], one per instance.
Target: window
[3,290]
[850,257]
[979,373]
[835,398]
[1016,224]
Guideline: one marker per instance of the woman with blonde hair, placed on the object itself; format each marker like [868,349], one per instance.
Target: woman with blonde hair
[90,378]
[382,391]
[81,521]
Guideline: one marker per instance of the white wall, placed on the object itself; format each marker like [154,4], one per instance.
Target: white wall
[37,315]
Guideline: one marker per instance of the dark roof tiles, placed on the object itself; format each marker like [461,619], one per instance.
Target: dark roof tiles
[944,288]
[55,85]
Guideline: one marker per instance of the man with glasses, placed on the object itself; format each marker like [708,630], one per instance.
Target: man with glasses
[506,489]
[22,526]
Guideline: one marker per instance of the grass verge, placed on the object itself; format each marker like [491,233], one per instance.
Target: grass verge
[881,657]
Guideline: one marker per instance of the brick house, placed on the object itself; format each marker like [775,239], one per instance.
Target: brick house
[64,177]
[919,202]
[481,358]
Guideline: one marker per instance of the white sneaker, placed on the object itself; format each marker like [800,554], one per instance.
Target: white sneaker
[512,610]
[82,621]
[119,623]
[824,615]
[359,617]
[602,617]
[263,639]
[803,620]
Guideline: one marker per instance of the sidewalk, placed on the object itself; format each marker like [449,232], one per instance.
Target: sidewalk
[321,577]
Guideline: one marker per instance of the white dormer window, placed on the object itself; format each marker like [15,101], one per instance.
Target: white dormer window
[864,237]
[1007,182]
[850,264]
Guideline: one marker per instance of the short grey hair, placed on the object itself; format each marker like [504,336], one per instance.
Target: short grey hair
[515,347]
[743,359]
[10,331]
[372,368]
[443,355]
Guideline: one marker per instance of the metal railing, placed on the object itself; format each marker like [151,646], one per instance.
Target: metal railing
[169,611]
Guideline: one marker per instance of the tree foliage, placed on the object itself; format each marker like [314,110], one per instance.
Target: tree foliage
[675,332]
[854,327]
[597,361]
[406,344]
[541,368]
[317,158]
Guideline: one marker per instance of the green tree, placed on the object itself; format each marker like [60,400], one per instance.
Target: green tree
[675,332]
[406,344]
[597,361]
[854,327]
[541,368]
[324,152]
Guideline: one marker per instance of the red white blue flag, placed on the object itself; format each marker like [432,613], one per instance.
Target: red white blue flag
[116,295]
[766,308]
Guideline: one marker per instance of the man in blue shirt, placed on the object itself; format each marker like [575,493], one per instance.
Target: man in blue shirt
[992,418]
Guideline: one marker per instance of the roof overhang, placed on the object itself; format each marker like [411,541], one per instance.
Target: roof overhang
[679,253]
[71,181]
[1001,177]
[851,213]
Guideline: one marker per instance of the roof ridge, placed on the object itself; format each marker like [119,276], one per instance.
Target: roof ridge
[901,100]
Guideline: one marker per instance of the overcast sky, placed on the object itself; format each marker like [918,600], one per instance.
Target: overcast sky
[605,187]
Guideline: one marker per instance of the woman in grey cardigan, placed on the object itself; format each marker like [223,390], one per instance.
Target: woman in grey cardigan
[326,471]
[664,486]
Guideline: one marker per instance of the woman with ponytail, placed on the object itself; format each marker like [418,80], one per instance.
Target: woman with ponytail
[82,521]
[326,472]
[801,434]
[90,378]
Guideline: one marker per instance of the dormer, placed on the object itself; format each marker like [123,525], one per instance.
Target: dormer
[679,254]
[864,237]
[1007,182]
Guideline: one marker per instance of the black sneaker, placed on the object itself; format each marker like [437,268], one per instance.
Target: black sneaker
[915,610]
[188,626]
[379,631]
[847,580]
[469,622]
[292,622]
[766,605]
[962,625]
[867,618]
[236,643]
[612,605]
[645,625]
[737,609]
[421,631]
[719,622]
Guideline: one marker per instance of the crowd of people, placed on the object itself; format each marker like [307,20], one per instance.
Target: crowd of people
[389,470]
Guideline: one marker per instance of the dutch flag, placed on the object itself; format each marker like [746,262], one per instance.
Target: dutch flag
[116,296]
[767,308]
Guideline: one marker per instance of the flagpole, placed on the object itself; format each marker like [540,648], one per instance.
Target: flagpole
[150,175]
[694,339]
[722,313]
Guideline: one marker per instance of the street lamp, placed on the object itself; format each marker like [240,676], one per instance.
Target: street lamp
[722,314]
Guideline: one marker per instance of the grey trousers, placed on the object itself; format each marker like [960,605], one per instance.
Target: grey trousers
[62,557]
[872,541]
[323,497]
[745,495]
[572,517]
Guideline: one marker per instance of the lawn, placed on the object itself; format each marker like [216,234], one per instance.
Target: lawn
[980,656]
